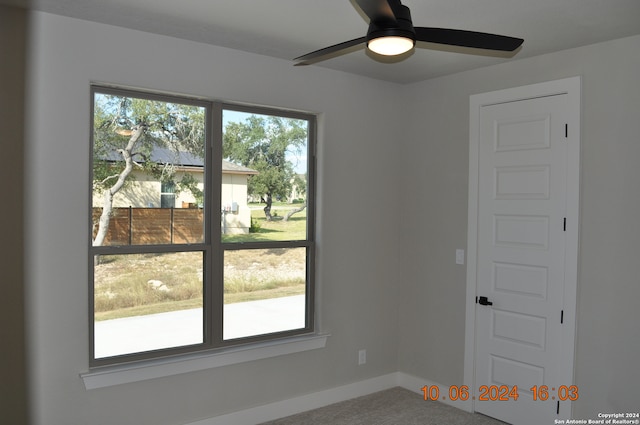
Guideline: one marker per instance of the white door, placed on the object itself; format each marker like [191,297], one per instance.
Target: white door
[520,274]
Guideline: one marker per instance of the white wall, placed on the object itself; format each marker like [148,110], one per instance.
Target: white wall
[357,181]
[436,170]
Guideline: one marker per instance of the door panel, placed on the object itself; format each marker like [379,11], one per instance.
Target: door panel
[522,185]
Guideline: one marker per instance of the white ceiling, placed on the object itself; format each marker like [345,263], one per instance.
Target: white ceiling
[290,28]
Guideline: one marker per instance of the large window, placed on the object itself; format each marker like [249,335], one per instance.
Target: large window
[202,225]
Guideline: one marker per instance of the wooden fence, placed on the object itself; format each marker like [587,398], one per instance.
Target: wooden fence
[150,226]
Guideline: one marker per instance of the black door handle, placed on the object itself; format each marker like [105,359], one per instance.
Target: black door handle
[484,301]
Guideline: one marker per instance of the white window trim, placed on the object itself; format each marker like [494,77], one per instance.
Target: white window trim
[158,368]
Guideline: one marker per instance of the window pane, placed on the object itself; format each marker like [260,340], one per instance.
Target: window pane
[264,177]
[148,159]
[168,194]
[146,302]
[264,291]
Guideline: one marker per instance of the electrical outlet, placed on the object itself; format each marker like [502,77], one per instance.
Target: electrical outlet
[362,357]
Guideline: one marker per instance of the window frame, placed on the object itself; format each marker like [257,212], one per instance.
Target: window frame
[212,246]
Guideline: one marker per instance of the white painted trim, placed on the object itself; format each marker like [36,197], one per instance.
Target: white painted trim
[472,248]
[303,403]
[571,87]
[323,398]
[569,330]
[116,375]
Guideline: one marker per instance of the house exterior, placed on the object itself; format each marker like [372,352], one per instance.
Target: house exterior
[236,216]
[147,191]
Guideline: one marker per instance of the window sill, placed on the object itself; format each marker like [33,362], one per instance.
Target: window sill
[123,374]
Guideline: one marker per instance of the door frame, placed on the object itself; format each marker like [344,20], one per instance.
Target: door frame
[572,87]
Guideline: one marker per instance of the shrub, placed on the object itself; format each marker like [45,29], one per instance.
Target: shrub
[255,226]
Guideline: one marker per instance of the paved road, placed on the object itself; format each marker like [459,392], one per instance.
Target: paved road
[155,331]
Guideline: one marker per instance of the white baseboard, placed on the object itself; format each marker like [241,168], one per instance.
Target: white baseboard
[303,403]
[323,398]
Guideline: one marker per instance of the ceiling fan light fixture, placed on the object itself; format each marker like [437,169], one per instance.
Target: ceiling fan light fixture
[391,33]
[391,45]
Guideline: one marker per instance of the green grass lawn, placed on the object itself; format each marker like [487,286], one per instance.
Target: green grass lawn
[277,229]
[122,288]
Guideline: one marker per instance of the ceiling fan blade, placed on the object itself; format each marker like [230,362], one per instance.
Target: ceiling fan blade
[478,40]
[328,52]
[379,10]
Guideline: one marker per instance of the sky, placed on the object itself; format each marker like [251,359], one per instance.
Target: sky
[298,159]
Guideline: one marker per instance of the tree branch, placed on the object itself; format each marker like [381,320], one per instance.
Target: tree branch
[292,212]
[107,205]
[114,176]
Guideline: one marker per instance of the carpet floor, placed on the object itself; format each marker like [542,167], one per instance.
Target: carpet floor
[396,406]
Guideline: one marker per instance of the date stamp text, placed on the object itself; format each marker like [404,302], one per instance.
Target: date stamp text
[500,393]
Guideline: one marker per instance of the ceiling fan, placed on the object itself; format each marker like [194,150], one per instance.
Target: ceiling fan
[391,33]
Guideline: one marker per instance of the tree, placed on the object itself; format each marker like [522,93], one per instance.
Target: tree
[126,131]
[262,143]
